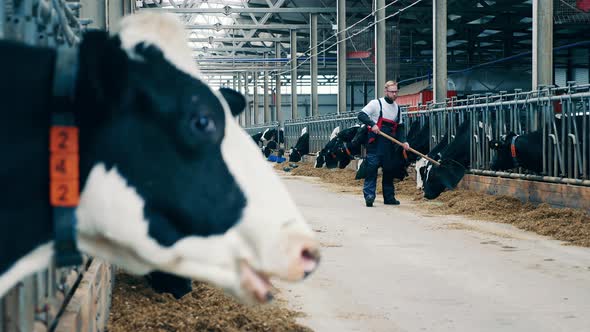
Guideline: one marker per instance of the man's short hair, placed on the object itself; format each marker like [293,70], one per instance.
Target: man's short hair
[390,83]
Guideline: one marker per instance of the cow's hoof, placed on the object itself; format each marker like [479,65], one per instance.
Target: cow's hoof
[293,165]
[287,169]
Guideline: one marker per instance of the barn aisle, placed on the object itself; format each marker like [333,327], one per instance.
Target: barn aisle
[399,269]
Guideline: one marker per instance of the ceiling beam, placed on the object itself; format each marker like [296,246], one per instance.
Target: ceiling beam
[252,26]
[212,39]
[237,10]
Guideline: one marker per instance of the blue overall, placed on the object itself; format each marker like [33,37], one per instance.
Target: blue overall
[385,154]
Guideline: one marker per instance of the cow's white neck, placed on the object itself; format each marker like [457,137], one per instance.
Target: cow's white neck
[111,218]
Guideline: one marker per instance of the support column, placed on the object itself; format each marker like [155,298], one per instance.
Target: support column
[380,47]
[365,93]
[278,99]
[352,96]
[96,11]
[313,33]
[341,13]
[542,43]
[439,54]
[266,95]
[255,108]
[293,74]
[240,90]
[248,111]
[116,9]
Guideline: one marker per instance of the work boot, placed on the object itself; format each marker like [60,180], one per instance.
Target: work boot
[391,202]
[369,201]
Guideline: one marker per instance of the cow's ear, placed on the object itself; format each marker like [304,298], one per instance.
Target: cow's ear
[235,100]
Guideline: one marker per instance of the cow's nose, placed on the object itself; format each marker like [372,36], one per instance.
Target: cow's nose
[311,260]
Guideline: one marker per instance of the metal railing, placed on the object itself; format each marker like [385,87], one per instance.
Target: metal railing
[562,115]
[262,127]
[319,128]
[36,301]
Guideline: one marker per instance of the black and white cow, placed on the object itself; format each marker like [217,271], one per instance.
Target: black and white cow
[165,171]
[257,138]
[346,147]
[419,141]
[340,150]
[327,156]
[518,151]
[301,147]
[270,143]
[271,135]
[526,150]
[422,164]
[457,153]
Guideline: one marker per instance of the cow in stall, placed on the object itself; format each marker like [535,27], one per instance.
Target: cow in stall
[455,154]
[342,147]
[514,151]
[346,149]
[257,138]
[526,150]
[301,147]
[165,172]
[422,164]
[419,140]
[272,142]
[327,155]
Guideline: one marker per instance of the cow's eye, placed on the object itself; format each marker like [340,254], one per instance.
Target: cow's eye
[202,123]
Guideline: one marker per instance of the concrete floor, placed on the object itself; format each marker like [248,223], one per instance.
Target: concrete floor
[400,269]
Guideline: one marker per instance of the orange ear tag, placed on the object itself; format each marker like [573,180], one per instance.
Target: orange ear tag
[64,162]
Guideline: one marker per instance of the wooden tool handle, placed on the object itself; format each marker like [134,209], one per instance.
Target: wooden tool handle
[410,148]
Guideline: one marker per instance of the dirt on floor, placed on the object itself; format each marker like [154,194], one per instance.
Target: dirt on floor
[136,307]
[565,224]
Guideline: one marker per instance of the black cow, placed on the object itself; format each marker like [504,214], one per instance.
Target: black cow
[419,141]
[348,134]
[422,164]
[165,171]
[271,143]
[361,137]
[327,156]
[457,154]
[340,150]
[301,147]
[346,148]
[257,138]
[528,152]
[271,135]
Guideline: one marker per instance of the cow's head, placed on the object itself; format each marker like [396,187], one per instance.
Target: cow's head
[301,147]
[436,181]
[420,168]
[170,182]
[294,155]
[320,159]
[502,159]
[443,177]
[343,154]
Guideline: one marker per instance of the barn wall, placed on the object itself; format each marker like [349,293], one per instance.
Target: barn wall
[556,195]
